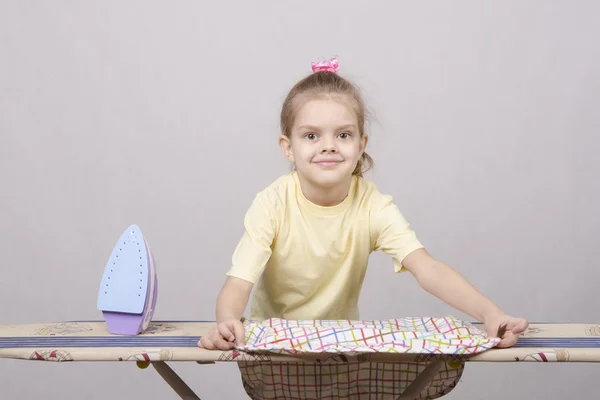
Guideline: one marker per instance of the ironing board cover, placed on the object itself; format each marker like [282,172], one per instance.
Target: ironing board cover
[407,335]
[332,378]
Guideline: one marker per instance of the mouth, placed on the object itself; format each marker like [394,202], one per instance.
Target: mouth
[327,163]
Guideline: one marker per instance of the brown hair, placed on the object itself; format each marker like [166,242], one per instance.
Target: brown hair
[325,84]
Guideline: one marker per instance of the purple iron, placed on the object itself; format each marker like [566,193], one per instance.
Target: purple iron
[129,286]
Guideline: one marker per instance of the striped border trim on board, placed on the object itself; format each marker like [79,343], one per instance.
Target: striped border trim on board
[192,341]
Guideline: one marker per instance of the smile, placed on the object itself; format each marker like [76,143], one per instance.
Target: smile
[327,163]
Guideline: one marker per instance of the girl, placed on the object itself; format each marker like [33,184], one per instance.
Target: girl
[309,234]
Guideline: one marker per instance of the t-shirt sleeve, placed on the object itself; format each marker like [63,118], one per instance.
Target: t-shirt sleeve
[254,248]
[392,233]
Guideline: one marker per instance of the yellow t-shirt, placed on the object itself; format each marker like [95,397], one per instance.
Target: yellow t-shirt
[308,261]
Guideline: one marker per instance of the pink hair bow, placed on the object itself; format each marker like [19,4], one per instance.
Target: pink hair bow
[330,66]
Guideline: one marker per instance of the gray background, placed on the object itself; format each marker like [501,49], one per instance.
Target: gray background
[165,114]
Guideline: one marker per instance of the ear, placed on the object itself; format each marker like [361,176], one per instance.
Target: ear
[364,140]
[286,147]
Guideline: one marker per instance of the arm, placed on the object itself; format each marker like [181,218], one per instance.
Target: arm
[231,303]
[249,258]
[233,299]
[449,286]
[393,235]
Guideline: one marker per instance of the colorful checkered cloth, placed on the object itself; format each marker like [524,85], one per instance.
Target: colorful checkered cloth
[334,377]
[408,335]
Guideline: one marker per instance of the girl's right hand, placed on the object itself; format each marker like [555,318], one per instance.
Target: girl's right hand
[225,336]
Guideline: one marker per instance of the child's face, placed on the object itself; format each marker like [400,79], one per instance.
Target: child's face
[325,143]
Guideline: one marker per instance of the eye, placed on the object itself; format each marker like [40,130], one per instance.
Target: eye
[310,136]
[344,135]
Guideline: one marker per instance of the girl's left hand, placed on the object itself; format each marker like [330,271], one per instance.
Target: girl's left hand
[507,328]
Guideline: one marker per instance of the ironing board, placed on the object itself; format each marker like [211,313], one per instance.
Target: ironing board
[127,297]
[176,341]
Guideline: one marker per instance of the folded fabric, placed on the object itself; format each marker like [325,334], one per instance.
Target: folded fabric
[446,335]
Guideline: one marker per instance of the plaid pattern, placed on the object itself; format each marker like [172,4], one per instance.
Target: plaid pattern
[343,380]
[337,378]
[408,335]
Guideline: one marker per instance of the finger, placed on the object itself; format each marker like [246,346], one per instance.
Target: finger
[518,322]
[221,344]
[508,340]
[517,327]
[521,326]
[501,330]
[214,342]
[240,335]
[226,332]
[206,343]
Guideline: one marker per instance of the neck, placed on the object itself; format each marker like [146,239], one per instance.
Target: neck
[327,196]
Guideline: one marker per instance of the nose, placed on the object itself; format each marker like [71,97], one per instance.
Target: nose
[328,146]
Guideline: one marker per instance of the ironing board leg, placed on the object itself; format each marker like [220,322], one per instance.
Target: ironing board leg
[171,377]
[413,390]
[184,391]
